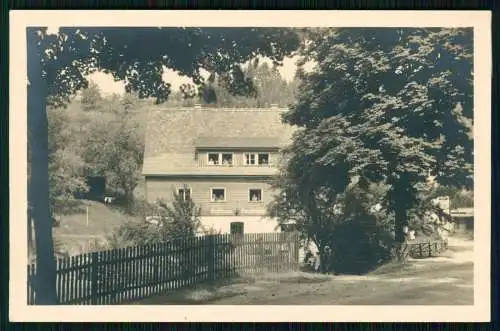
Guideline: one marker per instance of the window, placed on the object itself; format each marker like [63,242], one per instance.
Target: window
[237,228]
[218,194]
[213,158]
[263,158]
[250,158]
[254,158]
[255,195]
[185,193]
[220,158]
[227,158]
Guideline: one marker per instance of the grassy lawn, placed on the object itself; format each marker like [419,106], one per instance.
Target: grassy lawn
[74,232]
[446,280]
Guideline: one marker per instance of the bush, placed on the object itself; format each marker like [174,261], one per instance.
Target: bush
[359,246]
[179,227]
[351,235]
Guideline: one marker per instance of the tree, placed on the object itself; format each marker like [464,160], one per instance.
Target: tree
[91,97]
[114,149]
[128,101]
[59,64]
[181,219]
[271,88]
[66,168]
[386,105]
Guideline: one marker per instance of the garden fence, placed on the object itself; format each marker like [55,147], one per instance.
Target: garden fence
[127,274]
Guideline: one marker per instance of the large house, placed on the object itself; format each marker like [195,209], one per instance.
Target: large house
[221,158]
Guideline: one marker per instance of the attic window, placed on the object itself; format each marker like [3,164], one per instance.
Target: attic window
[255,195]
[227,158]
[263,158]
[213,158]
[220,158]
[254,158]
[218,194]
[250,158]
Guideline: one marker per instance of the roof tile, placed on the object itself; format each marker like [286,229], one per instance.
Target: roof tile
[172,136]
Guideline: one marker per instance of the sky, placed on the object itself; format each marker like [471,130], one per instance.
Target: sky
[109,86]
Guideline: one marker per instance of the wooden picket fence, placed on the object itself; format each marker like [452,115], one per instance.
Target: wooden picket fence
[121,275]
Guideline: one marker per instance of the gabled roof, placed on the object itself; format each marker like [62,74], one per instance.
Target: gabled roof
[173,135]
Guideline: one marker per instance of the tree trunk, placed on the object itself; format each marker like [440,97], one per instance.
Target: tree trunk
[30,238]
[400,223]
[39,187]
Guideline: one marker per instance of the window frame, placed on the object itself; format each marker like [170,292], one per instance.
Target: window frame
[220,158]
[247,158]
[184,192]
[261,195]
[257,158]
[268,158]
[212,193]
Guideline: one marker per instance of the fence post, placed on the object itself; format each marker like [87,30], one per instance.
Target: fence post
[211,257]
[93,277]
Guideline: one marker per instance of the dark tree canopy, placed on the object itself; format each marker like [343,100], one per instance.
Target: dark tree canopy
[138,56]
[383,105]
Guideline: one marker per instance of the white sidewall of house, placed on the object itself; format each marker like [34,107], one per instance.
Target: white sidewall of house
[252,224]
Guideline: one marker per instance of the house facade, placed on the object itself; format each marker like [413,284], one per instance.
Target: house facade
[223,159]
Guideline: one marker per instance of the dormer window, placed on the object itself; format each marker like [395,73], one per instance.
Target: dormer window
[263,158]
[227,158]
[257,159]
[213,158]
[220,158]
[250,158]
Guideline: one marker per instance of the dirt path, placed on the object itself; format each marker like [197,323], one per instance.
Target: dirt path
[446,280]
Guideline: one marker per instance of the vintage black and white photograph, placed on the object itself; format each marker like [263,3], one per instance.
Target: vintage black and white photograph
[253,165]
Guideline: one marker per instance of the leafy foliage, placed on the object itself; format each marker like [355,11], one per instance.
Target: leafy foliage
[385,105]
[114,149]
[66,167]
[91,97]
[268,88]
[76,52]
[352,236]
[180,220]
